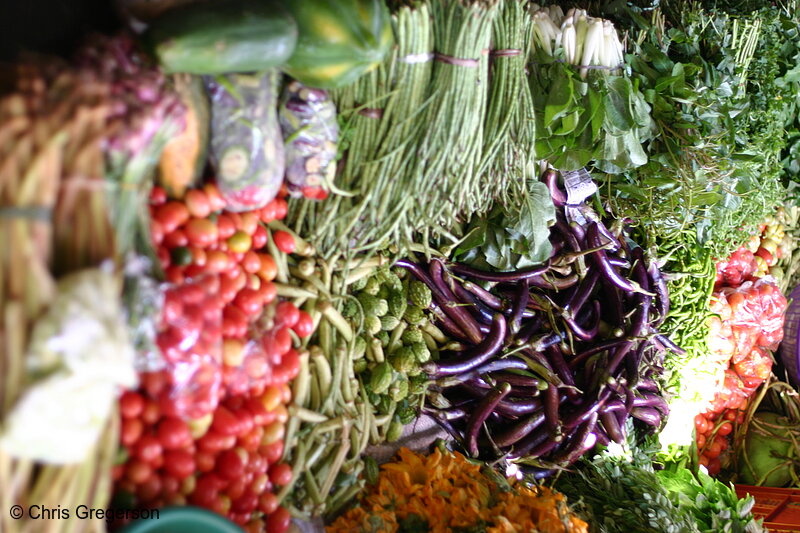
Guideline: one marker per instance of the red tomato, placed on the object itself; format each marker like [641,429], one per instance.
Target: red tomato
[701,441]
[267,212]
[217,261]
[213,441]
[251,263]
[273,452]
[174,433]
[257,367]
[193,271]
[150,489]
[245,419]
[730,415]
[130,431]
[225,422]
[249,221]
[284,241]
[725,429]
[269,269]
[230,464]
[206,491]
[280,474]
[221,505]
[703,461]
[201,232]
[252,440]
[278,522]
[148,448]
[174,274]
[267,503]
[246,503]
[225,226]
[197,203]
[158,195]
[204,461]
[249,301]
[169,486]
[290,365]
[260,237]
[267,291]
[259,484]
[286,314]
[215,199]
[131,404]
[283,340]
[713,450]
[164,259]
[179,463]
[281,207]
[234,322]
[176,238]
[138,471]
[304,326]
[171,215]
[236,489]
[156,232]
[700,423]
[151,413]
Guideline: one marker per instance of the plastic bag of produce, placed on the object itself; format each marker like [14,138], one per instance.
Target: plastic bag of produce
[78,357]
[310,132]
[246,141]
[190,341]
[755,312]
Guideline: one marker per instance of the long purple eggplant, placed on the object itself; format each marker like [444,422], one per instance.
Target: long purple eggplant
[479,355]
[484,409]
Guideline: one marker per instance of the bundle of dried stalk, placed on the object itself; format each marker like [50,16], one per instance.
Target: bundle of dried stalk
[72,141]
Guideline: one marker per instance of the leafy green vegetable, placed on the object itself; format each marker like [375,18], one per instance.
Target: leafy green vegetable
[619,494]
[512,237]
[719,110]
[713,504]
[603,119]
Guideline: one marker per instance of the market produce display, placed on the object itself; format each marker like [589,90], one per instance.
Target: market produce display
[538,260]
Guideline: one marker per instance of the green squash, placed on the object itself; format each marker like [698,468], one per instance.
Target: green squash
[338,40]
[226,36]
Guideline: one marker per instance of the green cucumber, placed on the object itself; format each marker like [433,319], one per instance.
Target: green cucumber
[232,36]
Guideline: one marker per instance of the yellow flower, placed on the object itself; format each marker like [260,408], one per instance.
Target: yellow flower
[448,491]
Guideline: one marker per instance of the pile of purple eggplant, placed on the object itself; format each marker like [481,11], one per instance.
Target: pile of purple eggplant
[549,361]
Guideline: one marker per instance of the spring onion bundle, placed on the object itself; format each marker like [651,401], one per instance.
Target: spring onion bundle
[587,110]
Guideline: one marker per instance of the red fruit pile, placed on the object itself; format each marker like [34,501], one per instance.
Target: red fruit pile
[748,324]
[208,428]
[231,466]
[221,276]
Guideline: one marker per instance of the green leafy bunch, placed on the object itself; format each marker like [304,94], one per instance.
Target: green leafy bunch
[511,237]
[603,119]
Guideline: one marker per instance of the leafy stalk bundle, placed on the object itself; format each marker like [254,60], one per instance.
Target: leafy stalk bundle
[587,110]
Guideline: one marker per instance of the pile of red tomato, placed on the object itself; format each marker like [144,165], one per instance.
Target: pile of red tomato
[207,429]
[221,280]
[748,324]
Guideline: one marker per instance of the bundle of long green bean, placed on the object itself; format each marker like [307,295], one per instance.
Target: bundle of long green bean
[510,132]
[429,130]
[382,119]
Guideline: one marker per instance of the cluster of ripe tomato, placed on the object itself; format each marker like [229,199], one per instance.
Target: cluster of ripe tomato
[207,429]
[749,314]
